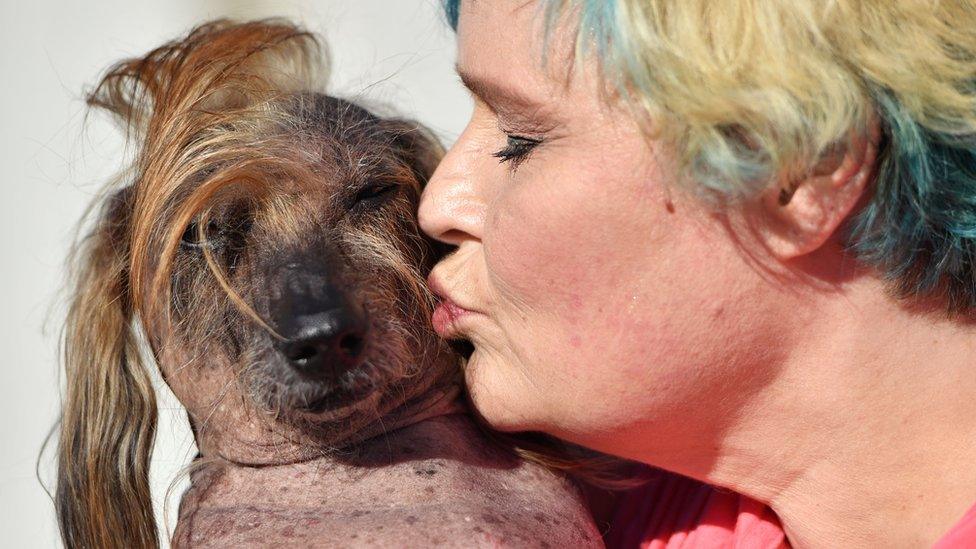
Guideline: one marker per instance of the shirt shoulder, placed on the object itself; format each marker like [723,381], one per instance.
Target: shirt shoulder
[674,512]
[963,534]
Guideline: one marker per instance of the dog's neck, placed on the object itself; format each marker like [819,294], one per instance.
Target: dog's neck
[253,444]
[438,401]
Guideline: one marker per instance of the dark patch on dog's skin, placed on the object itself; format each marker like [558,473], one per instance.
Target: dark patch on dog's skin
[490,519]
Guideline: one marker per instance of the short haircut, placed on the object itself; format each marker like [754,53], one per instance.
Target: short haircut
[751,91]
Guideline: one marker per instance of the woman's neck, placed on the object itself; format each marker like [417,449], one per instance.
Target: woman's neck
[867,437]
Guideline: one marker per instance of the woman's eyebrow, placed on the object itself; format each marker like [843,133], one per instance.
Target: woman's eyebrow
[494,93]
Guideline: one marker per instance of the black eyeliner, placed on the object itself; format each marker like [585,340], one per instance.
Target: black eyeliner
[517,150]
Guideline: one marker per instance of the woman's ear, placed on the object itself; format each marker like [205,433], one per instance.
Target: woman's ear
[799,216]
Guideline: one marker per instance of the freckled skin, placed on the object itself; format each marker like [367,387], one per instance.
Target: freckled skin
[586,262]
[741,344]
[438,482]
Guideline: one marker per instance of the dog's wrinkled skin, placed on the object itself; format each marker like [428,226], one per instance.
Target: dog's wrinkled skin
[433,483]
[267,246]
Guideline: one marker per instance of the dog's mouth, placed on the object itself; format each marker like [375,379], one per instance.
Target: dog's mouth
[324,399]
[351,387]
[339,387]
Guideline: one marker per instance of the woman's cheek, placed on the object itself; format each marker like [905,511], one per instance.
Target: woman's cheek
[536,282]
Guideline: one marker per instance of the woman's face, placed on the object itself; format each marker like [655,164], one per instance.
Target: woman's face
[602,302]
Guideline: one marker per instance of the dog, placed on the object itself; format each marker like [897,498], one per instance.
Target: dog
[263,253]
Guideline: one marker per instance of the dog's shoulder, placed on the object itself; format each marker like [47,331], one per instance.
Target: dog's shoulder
[439,483]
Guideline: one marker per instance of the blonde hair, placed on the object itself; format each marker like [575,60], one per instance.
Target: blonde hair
[751,91]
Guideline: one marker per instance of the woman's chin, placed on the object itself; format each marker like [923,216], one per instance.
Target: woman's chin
[497,394]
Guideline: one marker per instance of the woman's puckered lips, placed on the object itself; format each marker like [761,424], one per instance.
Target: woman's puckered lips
[448,313]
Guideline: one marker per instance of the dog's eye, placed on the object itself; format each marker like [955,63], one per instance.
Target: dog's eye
[374,194]
[192,238]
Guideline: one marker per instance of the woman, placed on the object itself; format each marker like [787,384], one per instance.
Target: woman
[733,240]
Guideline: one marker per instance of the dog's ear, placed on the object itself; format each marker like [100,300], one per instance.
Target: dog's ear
[417,146]
[108,419]
[422,152]
[217,65]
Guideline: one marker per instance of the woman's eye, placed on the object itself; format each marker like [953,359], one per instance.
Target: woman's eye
[373,194]
[517,150]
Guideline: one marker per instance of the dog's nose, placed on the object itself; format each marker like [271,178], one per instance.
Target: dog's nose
[324,345]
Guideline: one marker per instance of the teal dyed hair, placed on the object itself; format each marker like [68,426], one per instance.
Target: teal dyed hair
[919,228]
[452,9]
[745,89]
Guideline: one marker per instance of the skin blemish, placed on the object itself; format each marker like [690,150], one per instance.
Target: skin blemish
[576,341]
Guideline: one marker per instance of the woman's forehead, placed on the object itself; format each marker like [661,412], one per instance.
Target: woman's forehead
[504,30]
[507,51]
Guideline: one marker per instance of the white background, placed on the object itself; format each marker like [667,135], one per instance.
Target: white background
[397,52]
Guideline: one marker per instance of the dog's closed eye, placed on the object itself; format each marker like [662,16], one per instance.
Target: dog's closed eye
[195,239]
[373,194]
[214,235]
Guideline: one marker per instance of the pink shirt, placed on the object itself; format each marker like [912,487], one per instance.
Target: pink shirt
[963,534]
[674,512]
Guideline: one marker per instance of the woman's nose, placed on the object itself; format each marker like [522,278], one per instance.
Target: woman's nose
[451,208]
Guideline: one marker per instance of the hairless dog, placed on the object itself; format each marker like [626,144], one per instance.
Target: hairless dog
[263,252]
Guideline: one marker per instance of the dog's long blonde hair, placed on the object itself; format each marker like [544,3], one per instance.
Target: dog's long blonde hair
[121,269]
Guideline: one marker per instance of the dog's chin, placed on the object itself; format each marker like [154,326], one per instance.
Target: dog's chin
[327,401]
[335,403]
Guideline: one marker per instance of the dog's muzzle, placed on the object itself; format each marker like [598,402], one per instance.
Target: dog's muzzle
[322,334]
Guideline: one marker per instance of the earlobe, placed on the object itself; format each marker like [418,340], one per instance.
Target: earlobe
[801,215]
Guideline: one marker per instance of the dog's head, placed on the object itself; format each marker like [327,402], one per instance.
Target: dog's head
[266,243]
[286,285]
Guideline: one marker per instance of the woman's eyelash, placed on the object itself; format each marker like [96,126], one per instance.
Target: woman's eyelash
[517,150]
